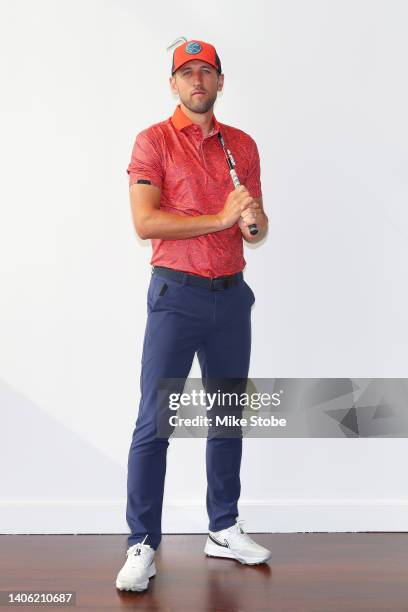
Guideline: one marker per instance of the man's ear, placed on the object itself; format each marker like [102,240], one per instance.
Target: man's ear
[220,82]
[173,86]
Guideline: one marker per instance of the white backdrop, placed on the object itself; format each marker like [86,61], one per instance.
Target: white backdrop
[319,85]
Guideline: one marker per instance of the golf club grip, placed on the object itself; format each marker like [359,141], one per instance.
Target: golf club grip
[252,228]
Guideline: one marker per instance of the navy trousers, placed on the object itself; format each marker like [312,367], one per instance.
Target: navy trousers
[182,321]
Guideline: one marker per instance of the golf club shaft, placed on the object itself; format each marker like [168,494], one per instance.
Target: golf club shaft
[252,228]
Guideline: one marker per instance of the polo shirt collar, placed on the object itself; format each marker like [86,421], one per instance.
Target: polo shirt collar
[180,120]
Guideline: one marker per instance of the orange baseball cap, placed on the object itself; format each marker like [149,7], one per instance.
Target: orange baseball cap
[195,49]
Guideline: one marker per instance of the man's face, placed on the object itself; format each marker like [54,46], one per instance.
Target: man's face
[194,76]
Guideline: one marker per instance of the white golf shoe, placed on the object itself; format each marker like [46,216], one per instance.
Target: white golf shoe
[138,568]
[234,543]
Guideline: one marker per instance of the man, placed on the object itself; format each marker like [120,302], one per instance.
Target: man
[182,198]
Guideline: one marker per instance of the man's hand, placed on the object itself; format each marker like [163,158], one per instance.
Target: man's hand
[238,201]
[254,213]
[248,216]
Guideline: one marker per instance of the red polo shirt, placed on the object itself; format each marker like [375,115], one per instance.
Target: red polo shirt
[194,179]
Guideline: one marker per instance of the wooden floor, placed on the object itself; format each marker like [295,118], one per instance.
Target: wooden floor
[307,572]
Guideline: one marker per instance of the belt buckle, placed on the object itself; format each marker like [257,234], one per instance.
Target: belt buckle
[222,281]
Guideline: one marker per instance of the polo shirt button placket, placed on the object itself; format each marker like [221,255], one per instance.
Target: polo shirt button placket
[202,147]
[202,151]
[197,135]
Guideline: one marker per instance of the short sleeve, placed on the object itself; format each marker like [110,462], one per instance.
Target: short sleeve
[253,179]
[146,161]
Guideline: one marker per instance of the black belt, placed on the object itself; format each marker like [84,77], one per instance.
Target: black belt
[215,284]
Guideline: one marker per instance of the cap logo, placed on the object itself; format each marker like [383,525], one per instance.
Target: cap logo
[193,47]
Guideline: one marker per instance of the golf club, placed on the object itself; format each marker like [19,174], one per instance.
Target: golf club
[231,164]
